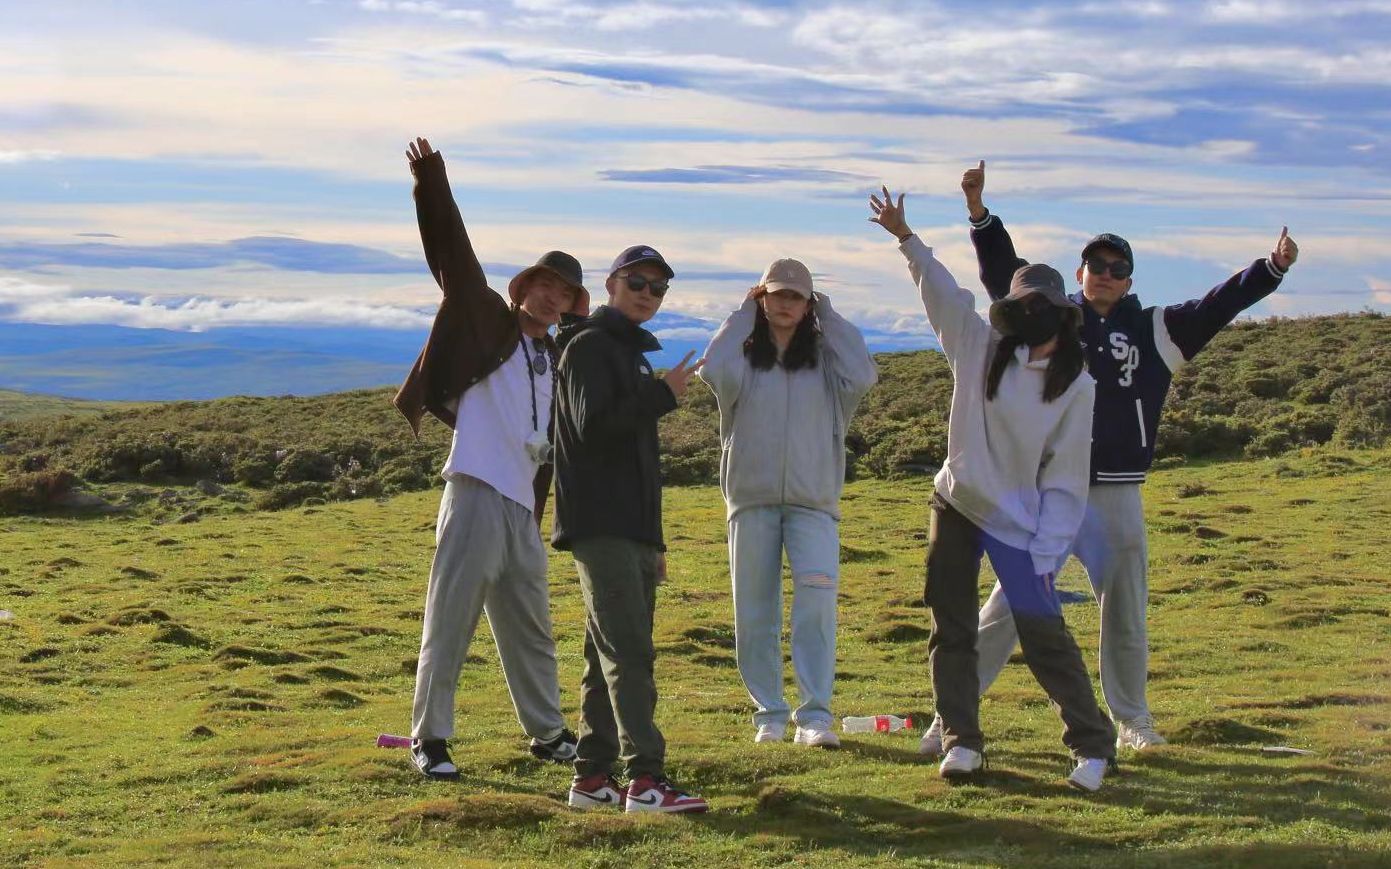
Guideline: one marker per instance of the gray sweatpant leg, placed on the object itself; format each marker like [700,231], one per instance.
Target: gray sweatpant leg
[488,559]
[1112,547]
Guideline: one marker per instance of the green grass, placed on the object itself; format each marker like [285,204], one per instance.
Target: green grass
[15,406]
[208,693]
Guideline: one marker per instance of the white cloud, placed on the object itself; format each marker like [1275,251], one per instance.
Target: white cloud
[26,301]
[432,8]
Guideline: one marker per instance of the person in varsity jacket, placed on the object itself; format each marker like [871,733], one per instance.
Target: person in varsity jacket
[1132,352]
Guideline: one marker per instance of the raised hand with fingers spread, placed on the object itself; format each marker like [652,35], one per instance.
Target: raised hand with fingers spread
[889,215]
[418,150]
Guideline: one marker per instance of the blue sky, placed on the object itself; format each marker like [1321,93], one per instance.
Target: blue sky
[199,166]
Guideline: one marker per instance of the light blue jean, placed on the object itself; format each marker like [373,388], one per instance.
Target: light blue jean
[757,538]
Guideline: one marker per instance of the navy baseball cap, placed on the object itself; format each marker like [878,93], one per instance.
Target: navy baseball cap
[641,253]
[1113,241]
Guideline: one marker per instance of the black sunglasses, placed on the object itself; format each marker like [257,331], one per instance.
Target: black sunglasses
[1120,269]
[657,288]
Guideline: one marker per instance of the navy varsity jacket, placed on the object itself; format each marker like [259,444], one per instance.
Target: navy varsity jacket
[1133,353]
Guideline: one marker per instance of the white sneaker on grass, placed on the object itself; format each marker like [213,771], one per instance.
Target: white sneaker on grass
[817,736]
[931,743]
[770,733]
[961,762]
[1138,733]
[1089,773]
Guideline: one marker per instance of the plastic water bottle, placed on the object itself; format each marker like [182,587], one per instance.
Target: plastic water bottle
[874,723]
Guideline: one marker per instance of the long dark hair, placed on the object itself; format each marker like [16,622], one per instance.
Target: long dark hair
[801,350]
[1064,365]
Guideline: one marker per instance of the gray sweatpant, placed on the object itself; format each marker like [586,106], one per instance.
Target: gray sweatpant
[488,559]
[1111,546]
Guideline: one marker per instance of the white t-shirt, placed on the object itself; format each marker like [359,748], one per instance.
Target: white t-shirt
[494,421]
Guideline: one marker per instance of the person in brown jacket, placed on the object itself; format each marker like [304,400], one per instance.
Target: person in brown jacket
[487,371]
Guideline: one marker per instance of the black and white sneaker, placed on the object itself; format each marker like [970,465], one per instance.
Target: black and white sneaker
[431,757]
[560,749]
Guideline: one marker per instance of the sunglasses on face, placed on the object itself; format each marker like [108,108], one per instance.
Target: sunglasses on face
[657,288]
[1120,269]
[1036,305]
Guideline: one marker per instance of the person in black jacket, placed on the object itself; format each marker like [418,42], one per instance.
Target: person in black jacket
[1132,352]
[608,514]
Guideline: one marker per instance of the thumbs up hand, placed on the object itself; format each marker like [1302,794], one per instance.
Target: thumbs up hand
[1286,251]
[973,185]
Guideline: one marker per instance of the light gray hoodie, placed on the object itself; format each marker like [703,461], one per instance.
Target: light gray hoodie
[1017,466]
[782,434]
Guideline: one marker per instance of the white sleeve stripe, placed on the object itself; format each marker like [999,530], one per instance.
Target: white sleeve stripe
[1164,343]
[1273,269]
[985,221]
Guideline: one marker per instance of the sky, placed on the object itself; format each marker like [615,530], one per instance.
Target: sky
[194,166]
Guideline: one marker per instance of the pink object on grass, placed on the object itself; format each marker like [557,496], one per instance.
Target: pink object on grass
[386,740]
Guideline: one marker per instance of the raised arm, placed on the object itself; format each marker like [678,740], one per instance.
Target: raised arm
[448,251]
[951,309]
[1062,482]
[1182,330]
[724,365]
[847,354]
[994,248]
[601,410]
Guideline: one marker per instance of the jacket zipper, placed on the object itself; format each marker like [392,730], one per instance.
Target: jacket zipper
[1140,415]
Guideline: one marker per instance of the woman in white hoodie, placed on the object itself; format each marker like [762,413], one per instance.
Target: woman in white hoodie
[787,372]
[1013,487]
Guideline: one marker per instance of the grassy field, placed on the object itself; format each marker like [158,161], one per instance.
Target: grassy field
[207,692]
[16,406]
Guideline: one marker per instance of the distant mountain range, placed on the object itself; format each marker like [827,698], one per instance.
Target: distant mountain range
[118,363]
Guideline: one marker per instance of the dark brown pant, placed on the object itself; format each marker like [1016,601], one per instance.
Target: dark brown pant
[954,549]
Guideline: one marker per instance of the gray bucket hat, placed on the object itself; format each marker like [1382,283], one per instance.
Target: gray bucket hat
[1035,278]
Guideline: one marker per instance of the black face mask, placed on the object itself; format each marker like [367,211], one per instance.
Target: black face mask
[1035,325]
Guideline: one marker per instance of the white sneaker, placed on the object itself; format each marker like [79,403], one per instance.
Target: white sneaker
[1089,773]
[770,733]
[961,762]
[817,736]
[931,743]
[1138,733]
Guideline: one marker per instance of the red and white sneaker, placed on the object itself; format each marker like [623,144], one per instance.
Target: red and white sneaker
[657,794]
[596,792]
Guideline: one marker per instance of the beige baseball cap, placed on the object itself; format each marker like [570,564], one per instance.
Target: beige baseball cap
[787,274]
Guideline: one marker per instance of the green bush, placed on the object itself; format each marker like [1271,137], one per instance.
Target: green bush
[33,492]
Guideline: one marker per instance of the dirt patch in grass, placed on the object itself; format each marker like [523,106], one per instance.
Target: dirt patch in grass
[1220,731]
[138,573]
[473,812]
[339,697]
[338,674]
[898,632]
[261,783]
[177,635]
[42,653]
[138,616]
[260,656]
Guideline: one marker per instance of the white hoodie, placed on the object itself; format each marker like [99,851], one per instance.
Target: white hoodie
[1016,466]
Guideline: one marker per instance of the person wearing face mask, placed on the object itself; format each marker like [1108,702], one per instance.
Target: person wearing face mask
[788,372]
[1013,488]
[1133,352]
[486,372]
